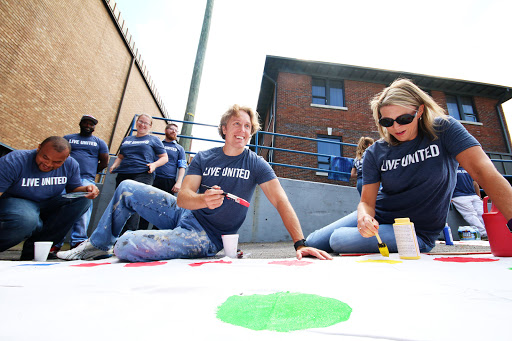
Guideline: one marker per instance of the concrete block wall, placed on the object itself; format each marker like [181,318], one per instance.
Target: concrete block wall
[316,205]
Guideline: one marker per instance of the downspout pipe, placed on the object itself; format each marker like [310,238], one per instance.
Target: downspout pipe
[121,103]
[503,126]
[274,108]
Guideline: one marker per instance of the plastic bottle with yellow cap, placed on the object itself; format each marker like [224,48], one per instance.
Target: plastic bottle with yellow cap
[406,240]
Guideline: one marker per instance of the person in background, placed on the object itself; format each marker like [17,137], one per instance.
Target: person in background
[32,207]
[139,157]
[357,168]
[191,225]
[169,176]
[416,163]
[467,200]
[91,153]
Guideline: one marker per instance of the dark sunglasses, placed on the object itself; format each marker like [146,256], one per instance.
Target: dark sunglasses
[402,120]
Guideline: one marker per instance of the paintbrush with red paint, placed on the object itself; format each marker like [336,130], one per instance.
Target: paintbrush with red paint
[238,200]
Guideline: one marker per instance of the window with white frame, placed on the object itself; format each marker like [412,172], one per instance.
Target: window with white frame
[461,108]
[328,149]
[328,92]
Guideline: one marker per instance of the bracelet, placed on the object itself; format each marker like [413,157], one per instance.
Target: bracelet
[509,224]
[299,243]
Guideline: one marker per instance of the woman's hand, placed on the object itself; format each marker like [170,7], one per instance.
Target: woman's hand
[367,225]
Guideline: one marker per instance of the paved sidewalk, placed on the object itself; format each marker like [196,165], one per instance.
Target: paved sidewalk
[285,250]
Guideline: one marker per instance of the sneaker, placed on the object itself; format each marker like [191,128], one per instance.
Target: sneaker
[485,238]
[85,251]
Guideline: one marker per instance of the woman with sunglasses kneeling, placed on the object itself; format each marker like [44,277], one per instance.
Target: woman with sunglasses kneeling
[411,173]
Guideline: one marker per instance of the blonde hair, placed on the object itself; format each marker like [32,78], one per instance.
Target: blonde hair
[235,110]
[405,93]
[146,115]
[364,142]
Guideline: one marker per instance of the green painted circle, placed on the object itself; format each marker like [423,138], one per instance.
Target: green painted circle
[283,311]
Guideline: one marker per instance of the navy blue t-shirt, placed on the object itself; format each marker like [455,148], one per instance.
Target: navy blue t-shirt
[20,177]
[417,177]
[138,152]
[464,186]
[86,151]
[237,175]
[177,159]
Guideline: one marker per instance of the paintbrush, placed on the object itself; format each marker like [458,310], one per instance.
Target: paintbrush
[238,200]
[383,248]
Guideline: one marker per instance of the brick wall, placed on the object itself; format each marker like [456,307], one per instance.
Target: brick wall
[296,116]
[60,60]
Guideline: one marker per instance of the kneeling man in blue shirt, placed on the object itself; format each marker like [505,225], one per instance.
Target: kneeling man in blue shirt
[32,207]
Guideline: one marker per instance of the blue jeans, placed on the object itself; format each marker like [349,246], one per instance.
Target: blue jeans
[146,178]
[359,186]
[342,236]
[48,220]
[180,234]
[79,229]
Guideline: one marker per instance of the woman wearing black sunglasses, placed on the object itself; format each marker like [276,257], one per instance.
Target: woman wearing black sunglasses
[411,172]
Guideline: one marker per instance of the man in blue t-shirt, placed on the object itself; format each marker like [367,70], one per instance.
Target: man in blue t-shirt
[32,207]
[191,226]
[91,153]
[467,200]
[170,176]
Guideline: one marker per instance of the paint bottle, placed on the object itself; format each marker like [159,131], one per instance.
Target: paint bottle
[406,240]
[448,235]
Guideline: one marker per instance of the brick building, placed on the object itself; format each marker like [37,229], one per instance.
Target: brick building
[64,59]
[331,101]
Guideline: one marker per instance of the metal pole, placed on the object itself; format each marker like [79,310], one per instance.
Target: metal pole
[196,77]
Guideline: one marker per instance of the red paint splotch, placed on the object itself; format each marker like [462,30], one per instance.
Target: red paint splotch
[139,265]
[465,259]
[291,262]
[215,261]
[89,265]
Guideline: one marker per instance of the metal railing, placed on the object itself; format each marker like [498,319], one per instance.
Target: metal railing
[256,146]
[501,164]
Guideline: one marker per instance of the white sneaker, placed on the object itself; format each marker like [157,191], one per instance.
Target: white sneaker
[85,251]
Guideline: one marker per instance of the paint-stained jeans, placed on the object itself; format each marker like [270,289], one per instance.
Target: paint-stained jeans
[180,234]
[342,236]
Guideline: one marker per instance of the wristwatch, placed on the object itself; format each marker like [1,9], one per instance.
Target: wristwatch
[299,243]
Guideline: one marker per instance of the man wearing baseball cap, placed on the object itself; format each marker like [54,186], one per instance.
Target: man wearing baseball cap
[91,153]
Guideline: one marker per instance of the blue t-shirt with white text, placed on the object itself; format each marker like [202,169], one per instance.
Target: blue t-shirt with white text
[86,151]
[138,152]
[177,159]
[464,186]
[417,177]
[237,175]
[20,177]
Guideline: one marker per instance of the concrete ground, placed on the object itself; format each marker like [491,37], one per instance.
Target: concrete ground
[285,250]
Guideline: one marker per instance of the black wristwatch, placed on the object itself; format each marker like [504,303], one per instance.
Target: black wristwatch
[299,243]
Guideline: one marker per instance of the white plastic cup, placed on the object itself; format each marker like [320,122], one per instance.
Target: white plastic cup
[41,251]
[230,242]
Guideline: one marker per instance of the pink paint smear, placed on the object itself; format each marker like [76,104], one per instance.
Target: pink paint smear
[216,261]
[291,262]
[89,265]
[465,259]
[139,265]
